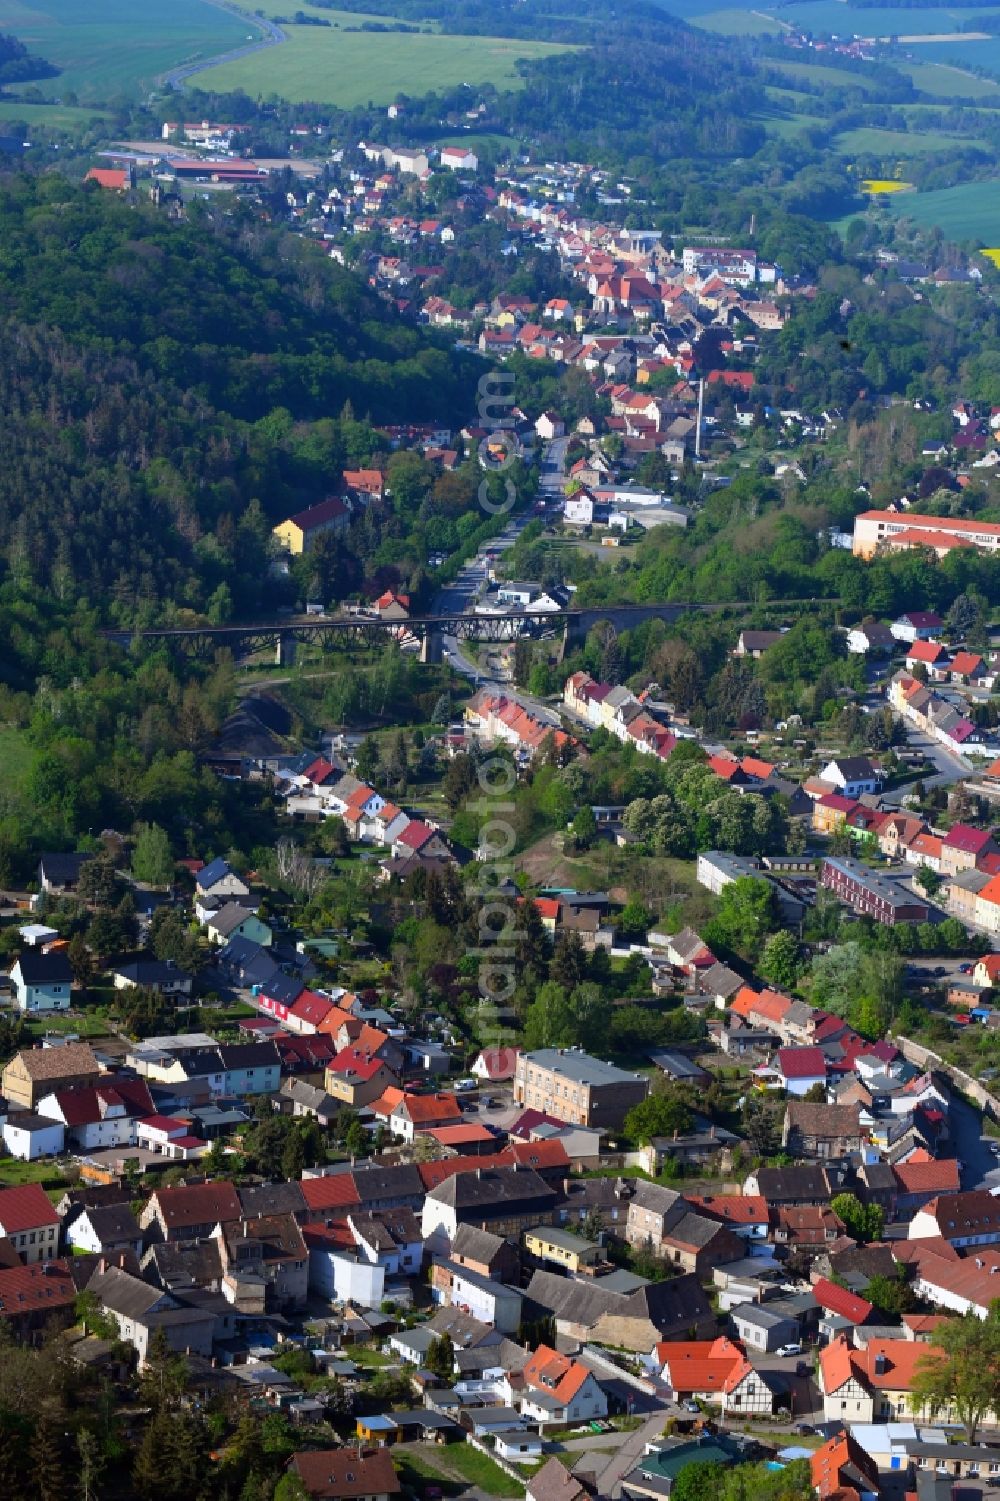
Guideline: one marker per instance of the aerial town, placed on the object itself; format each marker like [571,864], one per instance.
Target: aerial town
[499,778]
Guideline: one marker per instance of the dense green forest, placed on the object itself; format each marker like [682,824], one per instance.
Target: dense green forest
[171,390]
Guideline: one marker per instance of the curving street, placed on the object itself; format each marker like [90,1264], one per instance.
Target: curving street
[272,34]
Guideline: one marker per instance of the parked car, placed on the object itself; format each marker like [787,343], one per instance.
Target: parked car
[802,1368]
[789,1350]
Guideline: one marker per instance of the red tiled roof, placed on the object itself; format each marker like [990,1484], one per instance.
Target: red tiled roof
[198,1204]
[926,651]
[25,1208]
[838,1300]
[939,1177]
[962,837]
[415,835]
[353,1061]
[802,1063]
[108,177]
[319,515]
[337,1191]
[23,1289]
[421,1108]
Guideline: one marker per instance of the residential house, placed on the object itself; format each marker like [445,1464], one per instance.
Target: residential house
[30,1137]
[481,1297]
[872,894]
[30,1223]
[189,1212]
[965,848]
[917,625]
[346,1474]
[34,1297]
[220,881]
[142,1311]
[161,976]
[841,1466]
[852,776]
[716,1372]
[42,981]
[821,1131]
[416,1113]
[755,643]
[299,533]
[505,1200]
[60,873]
[357,1079]
[962,1219]
[800,1069]
[36,1072]
[105,1230]
[235,921]
[871,639]
[555,1388]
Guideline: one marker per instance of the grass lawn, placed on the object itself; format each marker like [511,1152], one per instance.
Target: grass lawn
[14,1173]
[871,141]
[969,212]
[658,880]
[333,66]
[16,758]
[56,116]
[91,1023]
[109,47]
[367,1356]
[455,1465]
[946,82]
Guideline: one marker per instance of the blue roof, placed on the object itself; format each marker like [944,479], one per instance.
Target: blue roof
[217,870]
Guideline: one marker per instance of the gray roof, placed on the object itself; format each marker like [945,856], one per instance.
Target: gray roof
[572,1302]
[656,1199]
[123,1294]
[113,1223]
[489,1189]
[477,1245]
[760,1315]
[272,1198]
[580,1068]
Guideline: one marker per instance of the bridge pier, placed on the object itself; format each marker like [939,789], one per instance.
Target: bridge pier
[430,646]
[284,651]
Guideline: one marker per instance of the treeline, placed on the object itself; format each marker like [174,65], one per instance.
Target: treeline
[17,64]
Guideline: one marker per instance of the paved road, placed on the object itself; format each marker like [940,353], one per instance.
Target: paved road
[272,35]
[459,597]
[980,1169]
[948,769]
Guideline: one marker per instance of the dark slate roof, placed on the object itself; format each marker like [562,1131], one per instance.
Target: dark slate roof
[272,1198]
[209,874]
[62,869]
[44,969]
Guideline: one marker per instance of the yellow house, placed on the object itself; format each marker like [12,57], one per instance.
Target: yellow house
[298,533]
[563,1248]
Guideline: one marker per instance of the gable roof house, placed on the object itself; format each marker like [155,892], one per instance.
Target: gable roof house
[346,1474]
[42,981]
[505,1200]
[821,1131]
[555,1388]
[189,1211]
[35,1072]
[141,1310]
[30,1222]
[716,1372]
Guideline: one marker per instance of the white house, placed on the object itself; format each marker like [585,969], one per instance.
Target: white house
[94,1118]
[851,775]
[558,1389]
[459,159]
[29,1136]
[548,426]
[341,1276]
[579,509]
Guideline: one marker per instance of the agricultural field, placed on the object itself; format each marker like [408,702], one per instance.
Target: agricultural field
[824,77]
[57,116]
[982,54]
[968,212]
[945,82]
[333,66]
[111,47]
[738,22]
[873,141]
